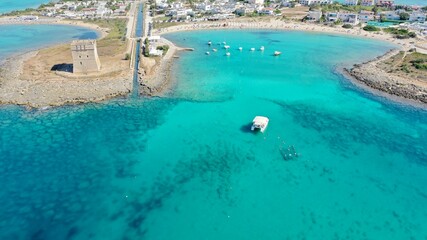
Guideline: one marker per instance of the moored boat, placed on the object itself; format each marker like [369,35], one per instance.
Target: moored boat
[260,123]
[240,48]
[252,49]
[227,54]
[261,48]
[277,53]
[207,53]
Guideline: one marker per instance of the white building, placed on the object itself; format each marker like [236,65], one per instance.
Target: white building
[351,2]
[314,16]
[352,18]
[311,2]
[365,16]
[257,2]
[384,2]
[331,16]
[390,15]
[417,17]
[367,2]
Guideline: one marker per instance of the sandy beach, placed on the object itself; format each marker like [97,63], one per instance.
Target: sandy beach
[274,24]
[52,21]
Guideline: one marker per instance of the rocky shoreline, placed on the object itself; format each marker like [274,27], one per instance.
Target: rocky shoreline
[17,89]
[369,74]
[154,76]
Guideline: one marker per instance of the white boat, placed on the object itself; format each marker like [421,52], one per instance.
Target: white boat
[207,53]
[214,50]
[260,123]
[277,53]
[261,48]
[209,43]
[252,49]
[224,43]
[240,48]
[226,46]
[227,54]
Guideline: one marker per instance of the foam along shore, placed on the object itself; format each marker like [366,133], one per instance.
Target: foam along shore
[27,79]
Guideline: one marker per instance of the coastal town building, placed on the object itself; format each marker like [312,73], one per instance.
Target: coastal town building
[367,3]
[366,16]
[351,2]
[312,2]
[85,56]
[314,16]
[384,2]
[417,17]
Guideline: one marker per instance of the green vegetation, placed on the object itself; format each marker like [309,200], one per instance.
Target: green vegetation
[369,28]
[400,33]
[420,64]
[164,48]
[404,16]
[348,26]
[115,41]
[147,47]
[127,56]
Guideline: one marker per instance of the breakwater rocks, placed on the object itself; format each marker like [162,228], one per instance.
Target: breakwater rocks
[371,75]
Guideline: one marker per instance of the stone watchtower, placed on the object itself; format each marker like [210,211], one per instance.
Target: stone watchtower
[85,56]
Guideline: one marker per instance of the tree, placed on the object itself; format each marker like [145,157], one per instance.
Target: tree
[404,16]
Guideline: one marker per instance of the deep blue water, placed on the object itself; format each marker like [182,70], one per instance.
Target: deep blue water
[186,166]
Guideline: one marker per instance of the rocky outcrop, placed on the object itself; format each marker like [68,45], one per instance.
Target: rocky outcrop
[374,77]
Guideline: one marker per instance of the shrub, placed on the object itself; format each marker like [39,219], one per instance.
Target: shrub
[347,26]
[370,28]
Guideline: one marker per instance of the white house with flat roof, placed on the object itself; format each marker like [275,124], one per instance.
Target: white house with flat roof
[417,17]
[367,3]
[351,2]
[314,16]
[311,2]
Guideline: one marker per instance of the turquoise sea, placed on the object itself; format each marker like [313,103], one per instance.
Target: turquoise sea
[12,5]
[186,166]
[22,38]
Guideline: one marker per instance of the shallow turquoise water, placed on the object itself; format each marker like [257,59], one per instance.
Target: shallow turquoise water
[12,5]
[22,38]
[187,167]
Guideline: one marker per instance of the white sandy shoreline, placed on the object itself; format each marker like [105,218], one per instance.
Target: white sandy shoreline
[277,25]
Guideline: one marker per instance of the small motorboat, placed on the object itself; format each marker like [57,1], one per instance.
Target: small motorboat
[260,123]
[224,43]
[240,48]
[207,53]
[277,53]
[209,43]
[261,48]
[214,50]
[226,46]
[252,49]
[227,54]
